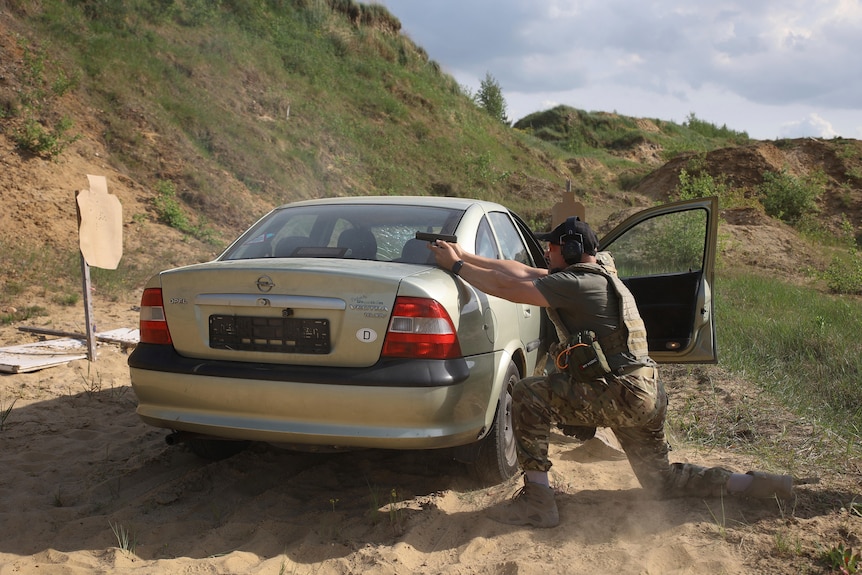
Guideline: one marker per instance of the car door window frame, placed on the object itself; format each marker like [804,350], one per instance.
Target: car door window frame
[677,307]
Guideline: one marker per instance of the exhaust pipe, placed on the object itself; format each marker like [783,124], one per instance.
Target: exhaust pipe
[178,437]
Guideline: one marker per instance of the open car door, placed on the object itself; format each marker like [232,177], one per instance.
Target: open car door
[666,257]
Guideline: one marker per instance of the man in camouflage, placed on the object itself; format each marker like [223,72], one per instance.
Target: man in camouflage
[606,377]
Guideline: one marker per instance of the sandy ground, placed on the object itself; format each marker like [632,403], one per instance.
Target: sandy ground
[88,488]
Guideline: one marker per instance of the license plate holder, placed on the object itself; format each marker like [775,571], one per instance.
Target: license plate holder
[270,334]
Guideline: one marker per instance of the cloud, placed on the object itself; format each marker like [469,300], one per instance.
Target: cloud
[813,125]
[680,55]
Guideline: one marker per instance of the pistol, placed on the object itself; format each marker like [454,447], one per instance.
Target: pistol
[432,237]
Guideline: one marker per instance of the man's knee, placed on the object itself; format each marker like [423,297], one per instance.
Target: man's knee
[524,391]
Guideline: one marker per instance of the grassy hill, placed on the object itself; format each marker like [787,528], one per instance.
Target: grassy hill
[238,106]
[220,110]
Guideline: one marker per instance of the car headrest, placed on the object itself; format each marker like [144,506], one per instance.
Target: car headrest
[361,243]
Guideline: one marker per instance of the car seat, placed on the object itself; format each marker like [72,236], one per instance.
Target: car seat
[415,252]
[361,243]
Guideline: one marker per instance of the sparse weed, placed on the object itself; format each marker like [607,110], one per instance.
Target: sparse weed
[67,300]
[22,314]
[168,207]
[92,381]
[786,544]
[115,487]
[126,540]
[720,522]
[394,513]
[844,274]
[35,138]
[374,512]
[13,288]
[219,513]
[5,412]
[855,172]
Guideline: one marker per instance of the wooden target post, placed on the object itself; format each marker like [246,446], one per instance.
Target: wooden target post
[100,231]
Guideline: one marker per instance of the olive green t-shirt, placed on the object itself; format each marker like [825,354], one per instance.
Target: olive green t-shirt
[584,300]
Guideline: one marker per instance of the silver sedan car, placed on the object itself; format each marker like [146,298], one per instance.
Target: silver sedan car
[327,325]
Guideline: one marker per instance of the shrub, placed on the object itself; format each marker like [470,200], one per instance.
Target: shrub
[41,84]
[34,138]
[844,274]
[710,130]
[168,207]
[701,185]
[490,98]
[787,197]
[171,213]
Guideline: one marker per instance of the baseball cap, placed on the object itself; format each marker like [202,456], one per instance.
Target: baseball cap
[571,229]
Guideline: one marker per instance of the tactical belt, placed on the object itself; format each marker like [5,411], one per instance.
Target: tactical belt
[645,372]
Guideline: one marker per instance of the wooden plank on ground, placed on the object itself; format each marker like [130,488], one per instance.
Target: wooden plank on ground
[123,335]
[43,354]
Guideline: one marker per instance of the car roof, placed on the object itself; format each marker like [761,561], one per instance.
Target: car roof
[435,201]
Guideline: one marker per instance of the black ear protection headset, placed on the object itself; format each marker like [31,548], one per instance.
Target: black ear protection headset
[572,242]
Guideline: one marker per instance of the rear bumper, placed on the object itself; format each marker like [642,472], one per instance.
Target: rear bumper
[393,372]
[397,404]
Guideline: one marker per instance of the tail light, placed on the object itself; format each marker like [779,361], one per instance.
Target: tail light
[420,328]
[154,328]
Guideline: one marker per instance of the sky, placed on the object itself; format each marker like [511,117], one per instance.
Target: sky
[771,68]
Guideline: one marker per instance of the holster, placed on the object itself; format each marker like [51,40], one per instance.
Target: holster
[582,357]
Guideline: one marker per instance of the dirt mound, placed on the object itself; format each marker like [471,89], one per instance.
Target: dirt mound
[753,240]
[837,164]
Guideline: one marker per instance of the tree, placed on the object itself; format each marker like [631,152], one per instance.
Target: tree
[490,98]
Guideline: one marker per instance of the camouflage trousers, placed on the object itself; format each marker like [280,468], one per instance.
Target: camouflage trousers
[633,406]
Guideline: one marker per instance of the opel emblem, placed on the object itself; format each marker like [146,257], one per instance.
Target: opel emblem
[265,284]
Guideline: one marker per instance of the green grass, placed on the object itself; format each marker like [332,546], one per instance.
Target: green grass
[797,343]
[581,132]
[785,390]
[56,276]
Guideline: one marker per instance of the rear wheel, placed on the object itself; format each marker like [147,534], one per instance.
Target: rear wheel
[216,449]
[497,459]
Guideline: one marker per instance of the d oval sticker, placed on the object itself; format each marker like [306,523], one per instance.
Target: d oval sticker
[366,335]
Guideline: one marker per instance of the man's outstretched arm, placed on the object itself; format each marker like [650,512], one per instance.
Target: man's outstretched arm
[505,279]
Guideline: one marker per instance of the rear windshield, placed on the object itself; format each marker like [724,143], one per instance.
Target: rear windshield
[378,232]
